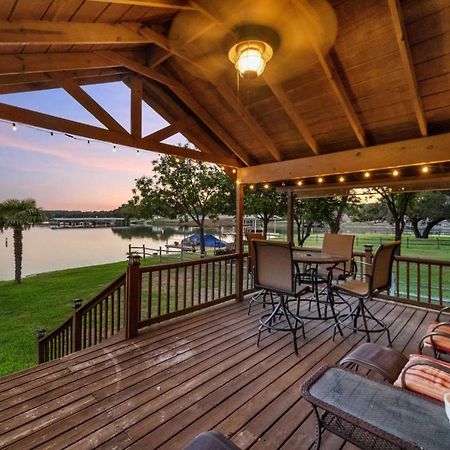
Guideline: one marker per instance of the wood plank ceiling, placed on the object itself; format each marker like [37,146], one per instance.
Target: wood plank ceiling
[386,79]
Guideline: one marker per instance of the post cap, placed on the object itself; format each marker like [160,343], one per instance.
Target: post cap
[368,247]
[77,303]
[40,333]
[134,259]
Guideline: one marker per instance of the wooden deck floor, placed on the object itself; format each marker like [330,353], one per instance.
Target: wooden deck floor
[164,387]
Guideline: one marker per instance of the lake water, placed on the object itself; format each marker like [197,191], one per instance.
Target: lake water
[45,249]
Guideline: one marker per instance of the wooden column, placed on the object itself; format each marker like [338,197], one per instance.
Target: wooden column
[239,241]
[290,217]
[76,325]
[133,296]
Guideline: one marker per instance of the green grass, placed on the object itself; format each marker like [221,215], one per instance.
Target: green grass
[45,300]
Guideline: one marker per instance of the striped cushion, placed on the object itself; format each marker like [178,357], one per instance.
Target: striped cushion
[442,343]
[426,380]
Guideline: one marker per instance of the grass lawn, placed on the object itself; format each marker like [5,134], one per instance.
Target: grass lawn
[45,300]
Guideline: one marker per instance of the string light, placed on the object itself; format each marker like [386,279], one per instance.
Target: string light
[366,174]
[177,160]
[14,128]
[425,169]
[395,172]
[234,170]
[320,180]
[266,186]
[252,186]
[299,183]
[341,179]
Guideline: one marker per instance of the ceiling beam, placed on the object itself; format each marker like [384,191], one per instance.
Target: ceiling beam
[10,88]
[332,75]
[183,94]
[439,181]
[136,90]
[86,101]
[408,65]
[56,62]
[427,150]
[41,32]
[149,3]
[291,111]
[40,120]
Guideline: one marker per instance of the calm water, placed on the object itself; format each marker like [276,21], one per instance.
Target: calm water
[45,249]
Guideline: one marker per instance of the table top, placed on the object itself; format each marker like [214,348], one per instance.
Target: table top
[317,257]
[398,412]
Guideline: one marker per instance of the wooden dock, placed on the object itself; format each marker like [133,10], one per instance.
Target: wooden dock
[164,387]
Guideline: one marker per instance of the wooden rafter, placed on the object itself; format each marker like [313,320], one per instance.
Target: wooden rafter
[10,88]
[427,150]
[39,32]
[408,65]
[33,118]
[136,90]
[333,77]
[163,133]
[175,113]
[290,109]
[148,3]
[183,94]
[86,101]
[51,62]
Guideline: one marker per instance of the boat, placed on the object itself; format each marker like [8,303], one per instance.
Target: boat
[210,241]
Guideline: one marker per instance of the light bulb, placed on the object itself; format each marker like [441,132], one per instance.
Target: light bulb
[425,169]
[395,172]
[366,174]
[341,179]
[252,186]
[299,182]
[320,180]
[266,186]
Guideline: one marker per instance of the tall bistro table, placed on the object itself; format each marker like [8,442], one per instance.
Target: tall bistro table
[314,260]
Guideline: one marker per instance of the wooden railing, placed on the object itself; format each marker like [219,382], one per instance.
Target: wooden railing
[171,290]
[147,295]
[99,319]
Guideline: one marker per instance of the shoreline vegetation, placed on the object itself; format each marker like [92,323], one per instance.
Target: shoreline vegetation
[45,300]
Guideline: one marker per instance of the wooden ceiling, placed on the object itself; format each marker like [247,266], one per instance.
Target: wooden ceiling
[385,80]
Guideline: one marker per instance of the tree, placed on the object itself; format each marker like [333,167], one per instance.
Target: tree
[431,208]
[185,187]
[335,207]
[19,215]
[307,213]
[398,204]
[265,203]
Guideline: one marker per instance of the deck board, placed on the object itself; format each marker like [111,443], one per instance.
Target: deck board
[162,388]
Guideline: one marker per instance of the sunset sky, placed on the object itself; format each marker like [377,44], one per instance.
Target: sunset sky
[63,173]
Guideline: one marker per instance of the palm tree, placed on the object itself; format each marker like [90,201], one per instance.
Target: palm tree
[19,215]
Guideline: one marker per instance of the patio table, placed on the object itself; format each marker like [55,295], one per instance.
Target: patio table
[374,415]
[314,260]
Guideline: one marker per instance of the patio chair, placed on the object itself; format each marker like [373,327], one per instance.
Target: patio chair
[438,336]
[340,245]
[275,273]
[251,268]
[378,278]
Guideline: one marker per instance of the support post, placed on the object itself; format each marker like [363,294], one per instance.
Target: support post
[290,218]
[133,296]
[41,348]
[76,325]
[239,241]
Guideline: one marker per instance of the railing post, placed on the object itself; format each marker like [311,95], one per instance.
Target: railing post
[368,253]
[41,350]
[76,325]
[239,228]
[133,296]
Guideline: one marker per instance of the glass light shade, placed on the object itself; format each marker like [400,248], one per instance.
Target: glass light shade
[250,57]
[250,63]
